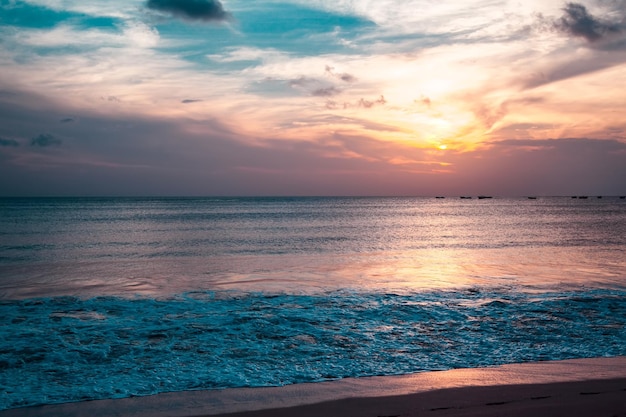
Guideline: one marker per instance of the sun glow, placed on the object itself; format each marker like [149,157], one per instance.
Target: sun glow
[443,147]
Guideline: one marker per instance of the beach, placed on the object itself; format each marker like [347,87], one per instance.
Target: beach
[579,387]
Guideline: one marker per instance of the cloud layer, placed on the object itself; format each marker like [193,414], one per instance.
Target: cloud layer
[321,97]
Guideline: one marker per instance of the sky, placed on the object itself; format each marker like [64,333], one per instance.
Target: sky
[315,97]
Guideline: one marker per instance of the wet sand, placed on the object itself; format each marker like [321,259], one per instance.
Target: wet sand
[583,387]
[588,398]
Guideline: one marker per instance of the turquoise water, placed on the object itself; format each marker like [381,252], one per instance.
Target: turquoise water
[107,298]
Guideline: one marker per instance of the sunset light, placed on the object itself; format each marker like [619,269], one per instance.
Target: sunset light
[322,97]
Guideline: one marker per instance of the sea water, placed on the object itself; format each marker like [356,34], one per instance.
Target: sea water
[114,297]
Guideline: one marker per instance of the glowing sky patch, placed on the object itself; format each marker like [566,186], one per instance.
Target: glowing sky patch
[311,97]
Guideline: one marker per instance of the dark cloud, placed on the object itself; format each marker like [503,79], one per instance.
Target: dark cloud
[314,87]
[206,10]
[577,21]
[368,103]
[326,92]
[9,142]
[189,101]
[575,67]
[44,140]
[342,76]
[303,82]
[347,77]
[332,105]
[363,103]
[67,120]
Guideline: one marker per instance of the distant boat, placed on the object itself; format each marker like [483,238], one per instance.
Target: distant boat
[622,197]
[599,196]
[532,198]
[574,196]
[440,196]
[583,197]
[466,197]
[482,197]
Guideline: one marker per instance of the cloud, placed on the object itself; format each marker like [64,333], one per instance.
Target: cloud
[129,34]
[349,78]
[371,103]
[9,142]
[248,54]
[44,140]
[577,146]
[314,87]
[601,57]
[326,92]
[361,103]
[206,10]
[110,98]
[578,22]
[189,101]
[112,8]
[67,120]
[303,82]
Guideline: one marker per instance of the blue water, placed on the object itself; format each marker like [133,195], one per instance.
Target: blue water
[108,298]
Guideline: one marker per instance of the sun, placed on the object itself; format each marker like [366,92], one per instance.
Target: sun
[443,147]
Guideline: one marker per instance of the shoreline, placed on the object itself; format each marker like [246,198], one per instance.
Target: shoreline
[593,387]
[580,398]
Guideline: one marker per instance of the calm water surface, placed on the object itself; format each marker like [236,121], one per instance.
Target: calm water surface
[111,297]
[161,247]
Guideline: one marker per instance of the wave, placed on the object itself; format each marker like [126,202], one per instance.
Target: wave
[63,349]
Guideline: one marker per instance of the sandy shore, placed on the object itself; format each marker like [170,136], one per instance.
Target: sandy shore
[585,387]
[588,398]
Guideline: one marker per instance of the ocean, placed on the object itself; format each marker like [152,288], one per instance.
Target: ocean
[119,297]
